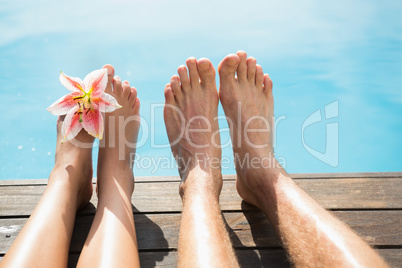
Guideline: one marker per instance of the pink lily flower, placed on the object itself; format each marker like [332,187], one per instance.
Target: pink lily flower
[85,104]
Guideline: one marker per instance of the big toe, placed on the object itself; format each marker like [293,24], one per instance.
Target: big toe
[110,75]
[207,72]
[227,68]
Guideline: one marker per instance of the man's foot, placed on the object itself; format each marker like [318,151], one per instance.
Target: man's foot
[190,113]
[246,96]
[74,157]
[117,149]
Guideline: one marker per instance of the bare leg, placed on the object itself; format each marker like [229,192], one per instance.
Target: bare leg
[191,105]
[112,240]
[45,239]
[312,236]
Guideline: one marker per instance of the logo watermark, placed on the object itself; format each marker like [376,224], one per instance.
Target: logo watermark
[331,154]
[200,134]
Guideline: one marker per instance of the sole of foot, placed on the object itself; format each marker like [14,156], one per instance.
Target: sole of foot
[190,112]
[118,147]
[246,96]
[74,158]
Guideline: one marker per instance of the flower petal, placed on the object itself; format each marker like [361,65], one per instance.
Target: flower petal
[64,104]
[107,103]
[92,121]
[71,83]
[96,82]
[71,125]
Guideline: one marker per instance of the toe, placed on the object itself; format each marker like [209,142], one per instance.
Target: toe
[133,96]
[268,85]
[117,87]
[169,97]
[175,85]
[207,72]
[251,64]
[193,71]
[137,106]
[242,68]
[126,90]
[110,75]
[259,76]
[184,80]
[227,67]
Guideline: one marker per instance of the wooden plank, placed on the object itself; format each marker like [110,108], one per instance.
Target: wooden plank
[367,193]
[4,183]
[249,229]
[392,256]
[255,258]
[147,259]
[246,258]
[378,175]
[363,175]
[330,193]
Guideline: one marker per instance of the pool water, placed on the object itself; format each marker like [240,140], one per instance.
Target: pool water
[336,68]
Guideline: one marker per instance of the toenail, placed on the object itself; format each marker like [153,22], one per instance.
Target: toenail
[203,65]
[232,61]
[109,71]
[125,82]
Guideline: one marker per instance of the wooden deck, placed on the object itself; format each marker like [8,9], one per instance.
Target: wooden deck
[371,203]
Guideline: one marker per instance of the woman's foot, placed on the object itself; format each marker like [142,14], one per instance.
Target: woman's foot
[190,113]
[45,238]
[113,232]
[74,157]
[246,96]
[117,149]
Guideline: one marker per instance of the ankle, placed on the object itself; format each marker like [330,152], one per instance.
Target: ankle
[70,173]
[267,188]
[115,181]
[201,183]
[198,201]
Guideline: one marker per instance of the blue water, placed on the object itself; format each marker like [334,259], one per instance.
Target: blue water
[338,60]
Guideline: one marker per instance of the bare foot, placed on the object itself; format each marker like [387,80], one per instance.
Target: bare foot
[75,158]
[246,96]
[117,149]
[190,113]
